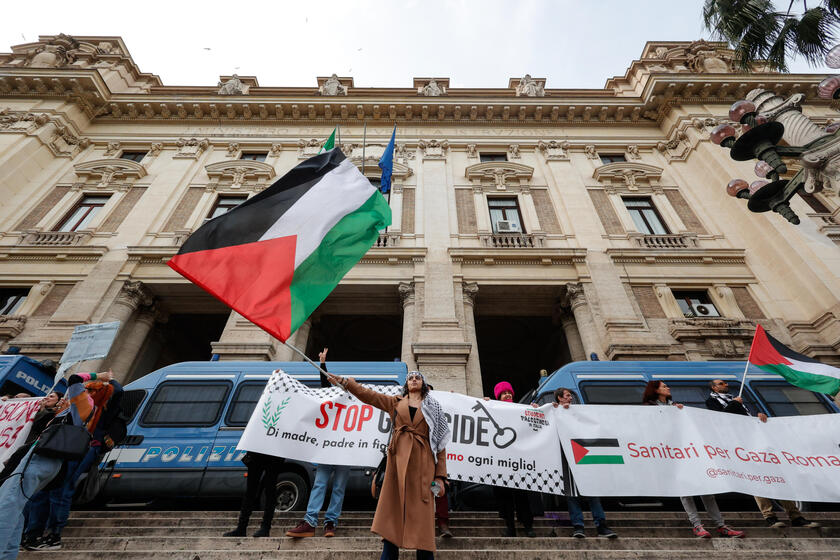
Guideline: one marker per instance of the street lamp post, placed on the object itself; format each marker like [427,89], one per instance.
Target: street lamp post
[766,119]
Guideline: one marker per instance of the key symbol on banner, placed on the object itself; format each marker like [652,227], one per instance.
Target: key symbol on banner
[499,440]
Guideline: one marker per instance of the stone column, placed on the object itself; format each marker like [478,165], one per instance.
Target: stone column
[395,201]
[300,339]
[584,320]
[529,211]
[576,350]
[409,326]
[132,296]
[132,342]
[475,386]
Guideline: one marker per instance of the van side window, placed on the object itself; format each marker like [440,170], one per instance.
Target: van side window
[131,401]
[244,401]
[604,393]
[696,394]
[787,400]
[186,404]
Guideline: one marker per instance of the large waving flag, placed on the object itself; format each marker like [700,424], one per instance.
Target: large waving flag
[276,257]
[772,356]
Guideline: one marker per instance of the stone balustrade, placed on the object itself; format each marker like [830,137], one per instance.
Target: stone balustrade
[512,240]
[387,240]
[667,241]
[56,238]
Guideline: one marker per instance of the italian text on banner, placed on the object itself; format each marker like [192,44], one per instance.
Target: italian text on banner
[665,451]
[494,443]
[16,417]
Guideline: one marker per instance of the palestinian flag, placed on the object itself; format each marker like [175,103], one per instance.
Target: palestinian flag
[596,451]
[774,357]
[276,257]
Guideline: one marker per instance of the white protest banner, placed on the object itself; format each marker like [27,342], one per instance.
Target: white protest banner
[665,451]
[16,417]
[496,443]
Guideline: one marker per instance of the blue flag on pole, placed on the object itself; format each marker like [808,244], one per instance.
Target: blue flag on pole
[386,164]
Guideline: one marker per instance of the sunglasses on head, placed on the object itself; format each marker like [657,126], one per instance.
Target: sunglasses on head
[411,376]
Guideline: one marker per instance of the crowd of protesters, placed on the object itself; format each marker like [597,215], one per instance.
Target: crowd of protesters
[37,489]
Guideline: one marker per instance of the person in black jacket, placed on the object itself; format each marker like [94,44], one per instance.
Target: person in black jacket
[48,407]
[263,471]
[720,399]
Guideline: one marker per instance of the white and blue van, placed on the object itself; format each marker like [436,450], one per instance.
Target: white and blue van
[185,421]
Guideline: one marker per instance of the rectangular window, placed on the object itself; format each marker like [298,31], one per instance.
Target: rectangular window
[645,216]
[133,156]
[186,404]
[11,299]
[244,401]
[254,156]
[225,204]
[618,393]
[505,216]
[81,214]
[787,400]
[483,157]
[612,158]
[696,395]
[695,303]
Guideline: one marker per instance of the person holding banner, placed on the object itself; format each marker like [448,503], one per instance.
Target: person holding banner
[657,393]
[36,471]
[564,397]
[416,465]
[721,401]
[509,499]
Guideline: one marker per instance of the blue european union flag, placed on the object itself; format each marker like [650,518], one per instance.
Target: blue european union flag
[386,164]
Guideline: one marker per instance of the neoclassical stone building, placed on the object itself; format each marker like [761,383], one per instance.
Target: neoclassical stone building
[531,226]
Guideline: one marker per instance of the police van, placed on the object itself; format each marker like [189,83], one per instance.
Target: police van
[624,383]
[184,422]
[20,374]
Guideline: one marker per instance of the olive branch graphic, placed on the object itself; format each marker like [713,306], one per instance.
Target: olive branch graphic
[270,419]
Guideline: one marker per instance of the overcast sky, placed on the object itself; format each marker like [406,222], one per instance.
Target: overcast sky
[572,43]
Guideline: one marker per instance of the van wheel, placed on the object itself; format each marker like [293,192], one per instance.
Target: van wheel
[292,492]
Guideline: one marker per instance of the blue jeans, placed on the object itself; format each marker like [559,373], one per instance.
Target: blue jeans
[51,509]
[32,474]
[576,512]
[319,492]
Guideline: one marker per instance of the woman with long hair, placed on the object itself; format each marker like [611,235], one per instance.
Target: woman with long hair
[657,393]
[415,468]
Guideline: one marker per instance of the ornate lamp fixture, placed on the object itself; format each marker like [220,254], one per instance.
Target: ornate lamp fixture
[766,119]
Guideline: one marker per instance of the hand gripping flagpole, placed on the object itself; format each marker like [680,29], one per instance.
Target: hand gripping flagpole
[746,367]
[305,357]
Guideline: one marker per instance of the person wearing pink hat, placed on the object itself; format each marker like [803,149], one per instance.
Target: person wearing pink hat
[510,499]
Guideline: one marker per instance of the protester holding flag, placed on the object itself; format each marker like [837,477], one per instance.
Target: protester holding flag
[657,393]
[416,465]
[720,400]
[323,473]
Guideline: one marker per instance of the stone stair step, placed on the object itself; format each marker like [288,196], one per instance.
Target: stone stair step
[462,531]
[477,554]
[109,544]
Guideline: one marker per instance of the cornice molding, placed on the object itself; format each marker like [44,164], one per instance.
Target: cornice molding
[239,171]
[108,169]
[628,173]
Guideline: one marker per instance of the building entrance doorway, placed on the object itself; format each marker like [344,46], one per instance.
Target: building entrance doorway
[356,338]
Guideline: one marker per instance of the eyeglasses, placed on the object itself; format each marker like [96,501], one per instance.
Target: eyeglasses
[411,376]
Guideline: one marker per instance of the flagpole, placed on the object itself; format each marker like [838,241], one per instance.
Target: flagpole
[364,143]
[305,357]
[746,367]
[338,126]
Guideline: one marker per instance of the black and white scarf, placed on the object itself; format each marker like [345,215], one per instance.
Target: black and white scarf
[439,432]
[725,398]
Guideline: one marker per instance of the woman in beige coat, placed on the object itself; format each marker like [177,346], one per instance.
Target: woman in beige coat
[405,514]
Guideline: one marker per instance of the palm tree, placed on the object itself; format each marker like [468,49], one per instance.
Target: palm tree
[758,32]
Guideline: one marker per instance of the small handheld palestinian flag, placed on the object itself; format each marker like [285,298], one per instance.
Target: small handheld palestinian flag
[278,255]
[774,357]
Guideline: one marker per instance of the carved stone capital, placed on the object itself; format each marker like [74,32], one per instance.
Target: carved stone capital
[434,149]
[232,149]
[575,296]
[470,290]
[135,295]
[11,325]
[155,149]
[406,292]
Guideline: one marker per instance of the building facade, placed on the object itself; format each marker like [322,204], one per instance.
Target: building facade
[531,226]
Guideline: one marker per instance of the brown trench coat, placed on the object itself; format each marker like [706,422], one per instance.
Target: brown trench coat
[405,514]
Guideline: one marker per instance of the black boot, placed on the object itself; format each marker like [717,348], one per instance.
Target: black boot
[241,526]
[265,525]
